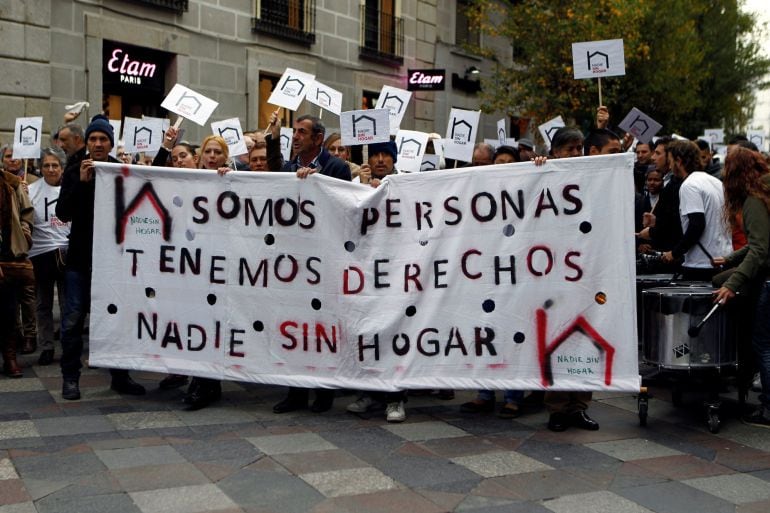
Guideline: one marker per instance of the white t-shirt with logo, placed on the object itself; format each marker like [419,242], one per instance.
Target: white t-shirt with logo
[702,193]
[49,232]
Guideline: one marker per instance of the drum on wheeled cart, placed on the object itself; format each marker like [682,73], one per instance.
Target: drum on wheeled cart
[673,344]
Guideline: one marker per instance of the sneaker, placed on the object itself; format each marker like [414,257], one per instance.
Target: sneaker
[757,418]
[395,412]
[361,405]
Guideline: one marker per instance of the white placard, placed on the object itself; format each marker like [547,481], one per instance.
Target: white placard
[27,134]
[182,281]
[502,135]
[757,137]
[461,134]
[430,163]
[291,89]
[714,135]
[286,136]
[549,128]
[325,97]
[116,126]
[365,126]
[145,135]
[230,130]
[594,59]
[189,104]
[640,125]
[411,148]
[396,101]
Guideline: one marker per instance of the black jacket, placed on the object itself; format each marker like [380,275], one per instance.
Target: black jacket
[329,164]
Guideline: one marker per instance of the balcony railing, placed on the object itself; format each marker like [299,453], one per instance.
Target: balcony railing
[382,36]
[179,6]
[293,20]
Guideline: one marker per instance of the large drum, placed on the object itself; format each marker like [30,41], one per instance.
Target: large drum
[669,312]
[644,282]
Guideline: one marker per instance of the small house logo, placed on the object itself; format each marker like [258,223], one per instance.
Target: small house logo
[501,135]
[550,131]
[142,137]
[598,62]
[292,86]
[28,135]
[323,97]
[409,148]
[428,165]
[229,134]
[189,104]
[393,103]
[364,128]
[461,131]
[639,126]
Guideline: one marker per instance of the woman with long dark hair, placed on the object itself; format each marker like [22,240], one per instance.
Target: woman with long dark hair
[746,182]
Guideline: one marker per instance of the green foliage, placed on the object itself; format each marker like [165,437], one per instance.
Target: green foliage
[690,64]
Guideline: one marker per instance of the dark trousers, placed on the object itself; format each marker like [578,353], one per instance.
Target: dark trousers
[49,273]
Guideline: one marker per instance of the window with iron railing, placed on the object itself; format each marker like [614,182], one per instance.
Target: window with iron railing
[288,19]
[382,32]
[179,6]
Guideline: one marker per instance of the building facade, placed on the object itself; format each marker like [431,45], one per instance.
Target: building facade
[123,56]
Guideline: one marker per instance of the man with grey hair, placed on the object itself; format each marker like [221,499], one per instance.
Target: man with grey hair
[483,155]
[71,139]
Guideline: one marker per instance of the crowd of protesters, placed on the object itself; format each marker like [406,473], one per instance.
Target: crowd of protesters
[696,214]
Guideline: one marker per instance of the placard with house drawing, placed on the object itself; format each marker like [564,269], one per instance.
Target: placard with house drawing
[365,126]
[594,59]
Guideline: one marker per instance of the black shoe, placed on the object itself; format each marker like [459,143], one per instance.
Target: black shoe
[477,406]
[580,419]
[172,381]
[558,422]
[509,411]
[757,418]
[290,404]
[324,399]
[70,389]
[46,357]
[202,395]
[126,385]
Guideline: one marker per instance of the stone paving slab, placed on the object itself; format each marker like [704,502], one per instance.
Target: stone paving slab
[632,449]
[594,502]
[184,499]
[353,481]
[735,488]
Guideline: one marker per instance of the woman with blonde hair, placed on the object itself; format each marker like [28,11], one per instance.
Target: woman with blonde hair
[334,144]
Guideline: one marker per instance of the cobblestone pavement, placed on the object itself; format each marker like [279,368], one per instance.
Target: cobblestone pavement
[115,454]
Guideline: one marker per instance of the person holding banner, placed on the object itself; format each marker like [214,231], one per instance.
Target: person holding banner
[381,163]
[505,155]
[49,248]
[76,205]
[16,221]
[258,156]
[334,144]
[746,182]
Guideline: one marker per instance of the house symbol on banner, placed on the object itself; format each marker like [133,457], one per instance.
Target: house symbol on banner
[327,99]
[193,98]
[388,104]
[501,134]
[232,132]
[545,350]
[428,166]
[597,62]
[456,123]
[639,126]
[291,91]
[25,132]
[409,142]
[123,213]
[364,117]
[138,130]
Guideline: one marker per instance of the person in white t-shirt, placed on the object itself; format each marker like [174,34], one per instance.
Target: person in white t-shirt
[701,202]
[50,238]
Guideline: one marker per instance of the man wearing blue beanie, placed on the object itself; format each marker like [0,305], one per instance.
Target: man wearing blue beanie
[381,163]
[76,204]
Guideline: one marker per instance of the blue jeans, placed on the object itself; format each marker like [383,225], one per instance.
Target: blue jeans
[77,298]
[511,396]
[760,341]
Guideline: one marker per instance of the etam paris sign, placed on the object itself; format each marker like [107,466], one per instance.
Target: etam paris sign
[426,80]
[127,66]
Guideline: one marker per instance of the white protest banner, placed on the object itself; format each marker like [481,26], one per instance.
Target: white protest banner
[521,280]
[461,134]
[640,125]
[502,136]
[396,101]
[714,135]
[325,97]
[144,134]
[27,134]
[116,126]
[365,126]
[596,59]
[189,104]
[230,130]
[411,147]
[286,137]
[549,128]
[291,89]
[429,163]
[757,137]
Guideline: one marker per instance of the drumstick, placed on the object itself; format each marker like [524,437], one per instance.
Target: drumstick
[695,330]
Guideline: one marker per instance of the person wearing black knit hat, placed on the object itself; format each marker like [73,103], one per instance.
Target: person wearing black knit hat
[76,204]
[381,163]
